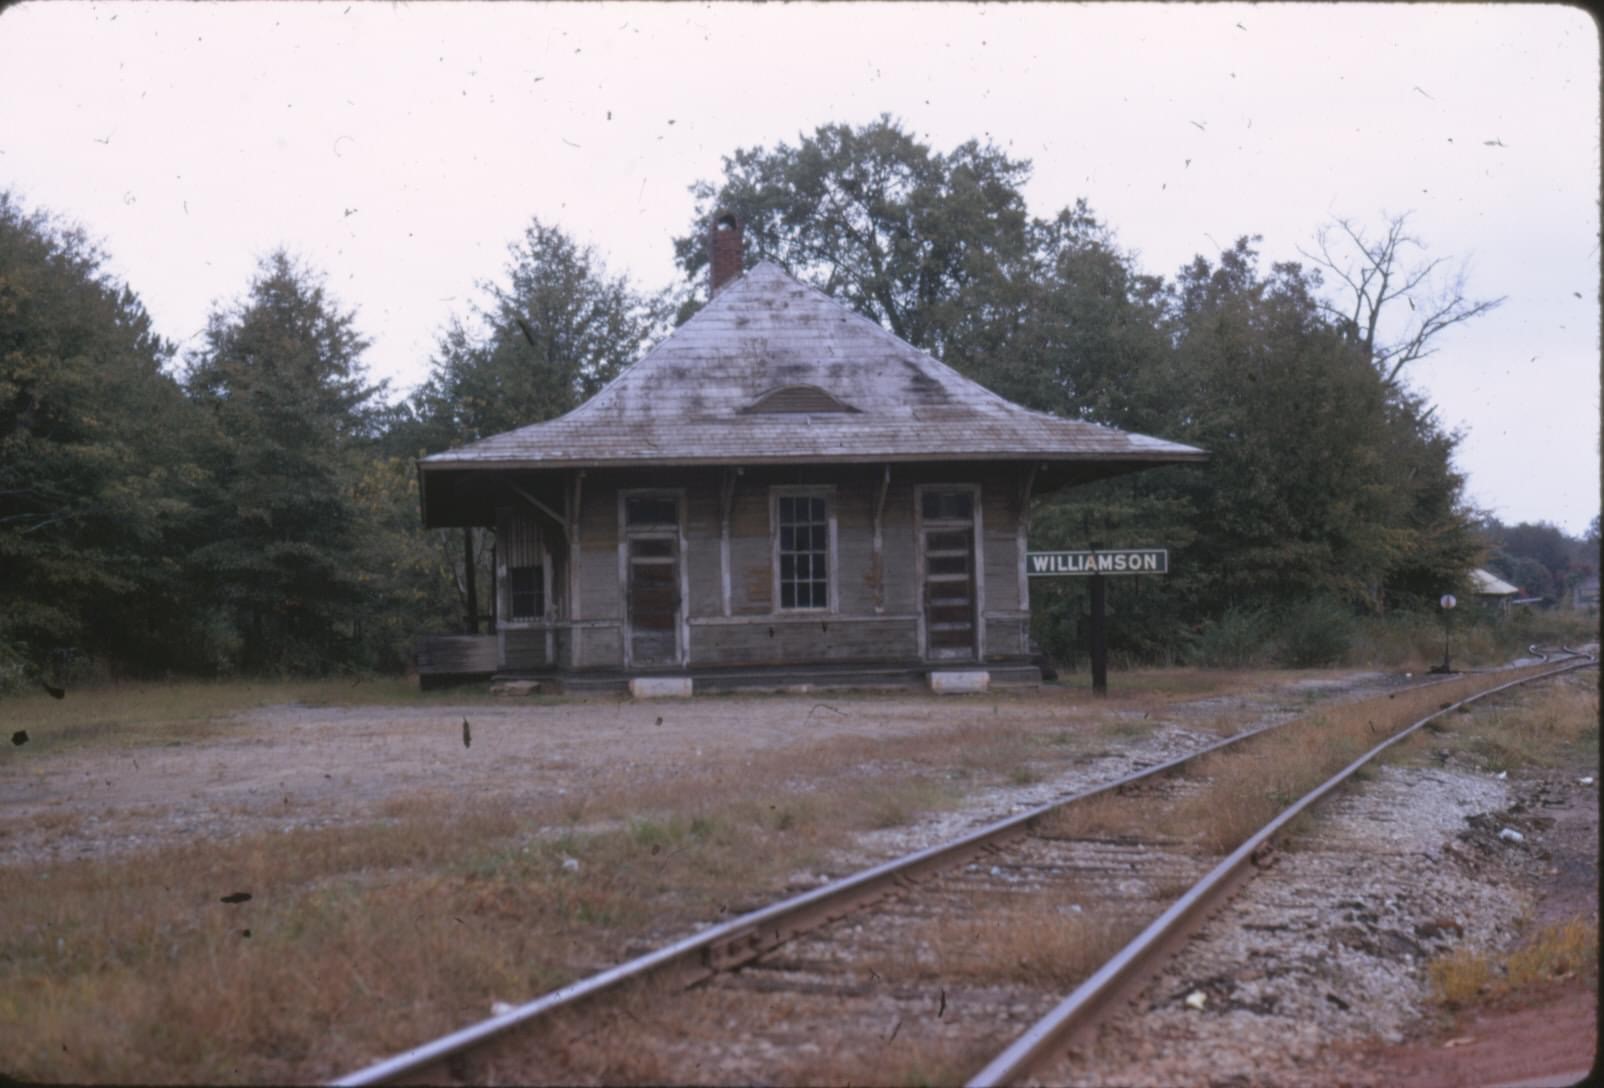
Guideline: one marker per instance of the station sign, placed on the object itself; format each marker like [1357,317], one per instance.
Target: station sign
[1104,561]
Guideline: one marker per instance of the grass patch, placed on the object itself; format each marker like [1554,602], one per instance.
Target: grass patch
[410,923]
[1250,783]
[1039,941]
[1466,977]
[1550,727]
[165,713]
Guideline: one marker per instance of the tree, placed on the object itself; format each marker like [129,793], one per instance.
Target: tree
[1375,274]
[292,413]
[1086,336]
[917,240]
[549,336]
[96,473]
[1324,482]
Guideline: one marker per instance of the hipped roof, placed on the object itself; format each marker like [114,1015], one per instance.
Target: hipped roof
[689,399]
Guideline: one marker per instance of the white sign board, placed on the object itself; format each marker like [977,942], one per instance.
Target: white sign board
[1106,561]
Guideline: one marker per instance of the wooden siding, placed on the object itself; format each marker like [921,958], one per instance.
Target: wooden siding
[870,623]
[1000,502]
[1007,637]
[785,641]
[703,576]
[751,581]
[456,655]
[524,648]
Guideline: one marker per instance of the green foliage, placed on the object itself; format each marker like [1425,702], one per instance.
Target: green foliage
[1317,631]
[919,241]
[1238,639]
[291,412]
[1329,480]
[97,477]
[266,521]
[543,340]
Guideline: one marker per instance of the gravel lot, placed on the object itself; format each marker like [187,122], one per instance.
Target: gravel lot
[298,766]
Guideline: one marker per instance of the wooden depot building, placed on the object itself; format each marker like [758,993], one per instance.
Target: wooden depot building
[779,492]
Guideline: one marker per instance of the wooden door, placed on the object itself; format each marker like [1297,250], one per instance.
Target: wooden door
[947,551]
[652,579]
[653,601]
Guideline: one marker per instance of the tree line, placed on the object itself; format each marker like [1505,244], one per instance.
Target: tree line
[249,505]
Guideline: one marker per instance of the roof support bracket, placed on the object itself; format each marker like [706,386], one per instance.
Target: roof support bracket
[726,500]
[879,540]
[1022,538]
[561,521]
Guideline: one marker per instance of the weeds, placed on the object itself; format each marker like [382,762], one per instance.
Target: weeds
[139,714]
[1250,783]
[1466,977]
[1038,941]
[411,923]
[1545,728]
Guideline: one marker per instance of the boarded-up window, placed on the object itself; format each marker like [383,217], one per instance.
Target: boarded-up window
[523,572]
[804,551]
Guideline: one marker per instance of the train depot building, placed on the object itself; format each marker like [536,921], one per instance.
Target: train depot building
[780,492]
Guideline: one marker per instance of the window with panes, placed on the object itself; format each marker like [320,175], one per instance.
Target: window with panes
[803,550]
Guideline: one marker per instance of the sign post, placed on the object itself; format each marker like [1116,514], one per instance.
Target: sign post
[1099,637]
[1447,602]
[1093,564]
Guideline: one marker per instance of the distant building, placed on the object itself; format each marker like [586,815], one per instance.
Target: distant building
[1585,593]
[780,485]
[1492,590]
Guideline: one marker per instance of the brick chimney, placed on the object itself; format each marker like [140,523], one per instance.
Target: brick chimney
[724,247]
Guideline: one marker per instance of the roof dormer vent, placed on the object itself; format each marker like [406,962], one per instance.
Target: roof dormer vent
[797,400]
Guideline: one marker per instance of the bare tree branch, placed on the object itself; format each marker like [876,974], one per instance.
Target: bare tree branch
[1374,274]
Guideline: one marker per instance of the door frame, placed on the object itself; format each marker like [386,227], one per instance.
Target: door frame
[979,603]
[662,532]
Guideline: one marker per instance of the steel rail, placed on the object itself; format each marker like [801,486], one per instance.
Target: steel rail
[1046,1038]
[739,940]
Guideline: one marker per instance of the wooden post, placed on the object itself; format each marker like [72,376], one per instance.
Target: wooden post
[1099,634]
[470,581]
[495,591]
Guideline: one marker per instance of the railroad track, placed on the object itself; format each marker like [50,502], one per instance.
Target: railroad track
[969,944]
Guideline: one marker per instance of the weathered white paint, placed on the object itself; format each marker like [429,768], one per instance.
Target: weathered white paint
[960,683]
[660,687]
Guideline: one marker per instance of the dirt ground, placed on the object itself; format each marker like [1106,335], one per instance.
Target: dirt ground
[1548,1036]
[295,766]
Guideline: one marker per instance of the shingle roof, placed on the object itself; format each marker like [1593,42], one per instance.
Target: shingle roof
[690,399]
[1488,584]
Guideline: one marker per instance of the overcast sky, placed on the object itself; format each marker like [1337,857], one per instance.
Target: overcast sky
[400,148]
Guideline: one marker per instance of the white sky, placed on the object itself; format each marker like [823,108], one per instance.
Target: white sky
[400,148]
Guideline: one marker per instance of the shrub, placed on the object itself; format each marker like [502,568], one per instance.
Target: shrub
[1316,632]
[1237,639]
